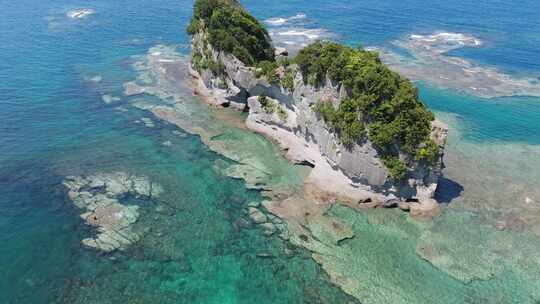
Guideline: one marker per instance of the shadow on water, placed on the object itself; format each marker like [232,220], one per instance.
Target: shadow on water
[447,190]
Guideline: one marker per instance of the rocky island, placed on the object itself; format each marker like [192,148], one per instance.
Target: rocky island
[362,128]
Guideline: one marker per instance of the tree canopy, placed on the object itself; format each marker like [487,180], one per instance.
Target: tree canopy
[232,29]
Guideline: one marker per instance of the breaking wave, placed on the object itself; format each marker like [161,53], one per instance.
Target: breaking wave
[295,32]
[80,13]
[308,34]
[278,21]
[296,38]
[444,42]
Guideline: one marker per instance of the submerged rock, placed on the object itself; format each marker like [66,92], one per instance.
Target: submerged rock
[98,195]
[257,215]
[109,98]
[268,228]
[131,89]
[254,204]
[265,255]
[148,122]
[281,52]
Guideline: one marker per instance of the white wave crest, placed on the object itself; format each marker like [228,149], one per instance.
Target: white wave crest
[295,32]
[80,13]
[278,21]
[309,34]
[294,38]
[443,42]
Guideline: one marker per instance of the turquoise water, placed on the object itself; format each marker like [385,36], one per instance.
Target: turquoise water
[503,120]
[200,247]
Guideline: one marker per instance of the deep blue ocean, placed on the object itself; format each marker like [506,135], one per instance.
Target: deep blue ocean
[55,70]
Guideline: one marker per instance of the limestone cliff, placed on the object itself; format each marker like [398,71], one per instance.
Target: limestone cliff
[353,172]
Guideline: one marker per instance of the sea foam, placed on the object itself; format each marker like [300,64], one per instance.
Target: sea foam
[278,21]
[444,42]
[80,13]
[430,62]
[295,32]
[294,38]
[309,34]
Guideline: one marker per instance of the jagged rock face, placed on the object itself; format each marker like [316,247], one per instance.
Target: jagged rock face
[360,162]
[239,87]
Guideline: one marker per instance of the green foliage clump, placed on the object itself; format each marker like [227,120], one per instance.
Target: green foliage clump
[284,61]
[202,63]
[398,170]
[288,80]
[428,151]
[217,68]
[267,69]
[267,105]
[199,62]
[194,26]
[346,120]
[282,114]
[271,107]
[263,100]
[380,99]
[232,29]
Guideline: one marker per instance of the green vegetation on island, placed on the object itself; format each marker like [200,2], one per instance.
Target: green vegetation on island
[268,69]
[382,104]
[287,81]
[232,29]
[271,107]
[207,63]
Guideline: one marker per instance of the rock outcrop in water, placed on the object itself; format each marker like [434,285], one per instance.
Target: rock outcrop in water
[282,105]
[99,197]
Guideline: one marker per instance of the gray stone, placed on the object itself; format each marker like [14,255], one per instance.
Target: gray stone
[268,228]
[131,89]
[109,98]
[404,206]
[256,215]
[280,51]
[289,252]
[274,219]
[102,209]
[254,204]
